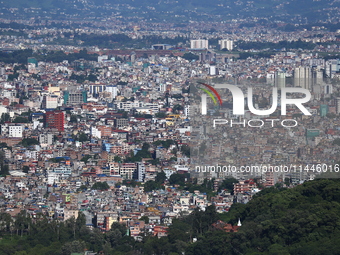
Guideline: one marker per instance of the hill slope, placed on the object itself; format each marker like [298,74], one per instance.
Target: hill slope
[302,220]
[182,11]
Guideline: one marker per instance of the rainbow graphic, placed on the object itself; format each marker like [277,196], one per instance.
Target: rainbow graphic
[211,94]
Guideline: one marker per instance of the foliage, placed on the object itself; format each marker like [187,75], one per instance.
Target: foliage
[177,108]
[20,56]
[152,185]
[5,117]
[190,56]
[179,179]
[4,170]
[82,137]
[82,78]
[143,153]
[29,141]
[160,115]
[228,184]
[185,149]
[25,169]
[145,219]
[130,183]
[100,186]
[73,118]
[86,158]
[82,187]
[20,119]
[160,177]
[166,144]
[56,160]
[117,159]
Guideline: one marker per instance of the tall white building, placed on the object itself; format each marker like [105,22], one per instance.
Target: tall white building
[187,111]
[303,77]
[113,90]
[332,66]
[140,174]
[226,44]
[162,87]
[46,139]
[212,70]
[94,89]
[50,102]
[95,132]
[102,58]
[280,80]
[199,44]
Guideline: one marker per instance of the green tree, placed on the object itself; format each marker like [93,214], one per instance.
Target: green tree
[29,141]
[185,149]
[160,177]
[82,137]
[25,169]
[145,219]
[151,185]
[73,247]
[160,115]
[228,184]
[80,221]
[100,186]
[190,56]
[5,117]
[73,118]
[20,119]
[177,108]
[178,179]
[117,159]
[5,222]
[86,158]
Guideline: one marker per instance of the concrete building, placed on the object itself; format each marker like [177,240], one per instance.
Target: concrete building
[54,119]
[15,130]
[199,44]
[226,44]
[303,77]
[127,169]
[113,90]
[280,80]
[46,139]
[50,102]
[71,98]
[140,172]
[95,132]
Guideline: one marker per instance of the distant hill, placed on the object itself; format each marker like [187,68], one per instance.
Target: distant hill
[299,11]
